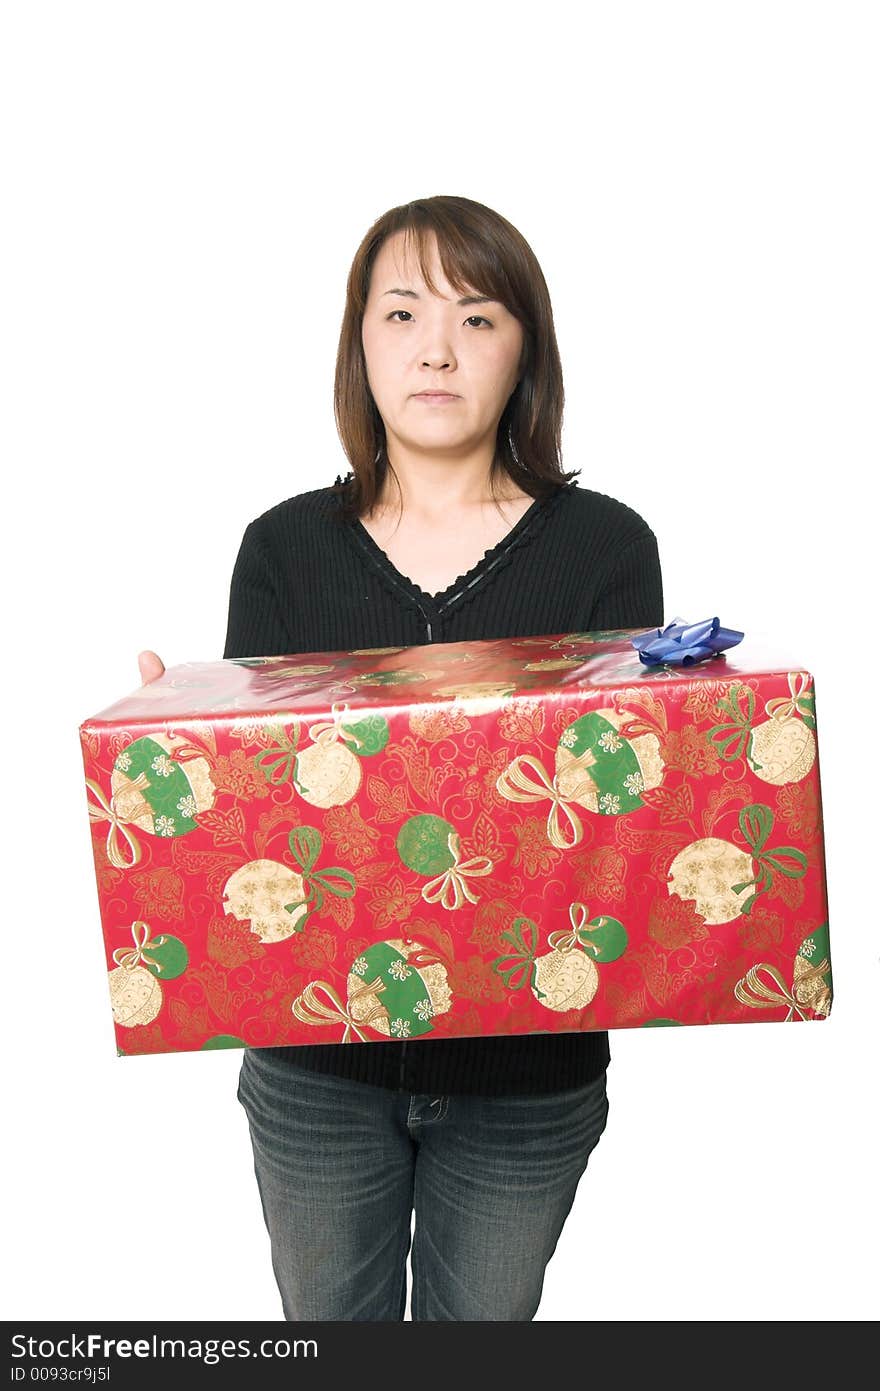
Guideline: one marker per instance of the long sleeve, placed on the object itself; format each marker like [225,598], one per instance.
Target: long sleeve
[256,626]
[632,594]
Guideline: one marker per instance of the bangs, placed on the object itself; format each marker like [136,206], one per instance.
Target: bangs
[466,261]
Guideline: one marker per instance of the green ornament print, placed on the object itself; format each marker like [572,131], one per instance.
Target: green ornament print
[404,993]
[156,792]
[165,956]
[423,844]
[613,768]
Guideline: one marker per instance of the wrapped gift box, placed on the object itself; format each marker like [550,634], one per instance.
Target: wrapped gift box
[512,836]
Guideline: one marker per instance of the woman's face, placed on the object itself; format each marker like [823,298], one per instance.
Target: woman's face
[417,341]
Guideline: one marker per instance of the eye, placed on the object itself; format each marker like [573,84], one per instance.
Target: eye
[467,320]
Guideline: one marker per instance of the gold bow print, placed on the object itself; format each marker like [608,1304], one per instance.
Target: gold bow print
[328,731]
[102,810]
[782,709]
[308,1009]
[564,941]
[131,957]
[517,786]
[450,887]
[763,996]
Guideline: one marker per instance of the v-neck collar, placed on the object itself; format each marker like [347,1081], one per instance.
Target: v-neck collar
[462,584]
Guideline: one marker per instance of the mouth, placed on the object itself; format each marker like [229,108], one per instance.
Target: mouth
[436,396]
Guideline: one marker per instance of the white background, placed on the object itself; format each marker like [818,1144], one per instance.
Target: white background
[185,186]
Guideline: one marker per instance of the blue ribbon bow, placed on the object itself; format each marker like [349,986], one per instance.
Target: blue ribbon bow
[684,643]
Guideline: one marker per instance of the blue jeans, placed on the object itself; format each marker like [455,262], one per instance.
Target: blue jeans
[340,1165]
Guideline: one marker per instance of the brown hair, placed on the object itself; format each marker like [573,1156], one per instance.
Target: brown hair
[479,249]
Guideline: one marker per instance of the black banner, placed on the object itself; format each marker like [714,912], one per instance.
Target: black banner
[111,1354]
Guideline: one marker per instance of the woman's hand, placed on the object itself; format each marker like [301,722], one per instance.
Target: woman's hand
[152,666]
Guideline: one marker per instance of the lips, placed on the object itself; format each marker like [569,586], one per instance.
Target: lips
[438,395]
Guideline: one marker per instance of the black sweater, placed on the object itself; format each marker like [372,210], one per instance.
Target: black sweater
[307,581]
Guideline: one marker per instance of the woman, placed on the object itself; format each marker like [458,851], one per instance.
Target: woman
[456,524]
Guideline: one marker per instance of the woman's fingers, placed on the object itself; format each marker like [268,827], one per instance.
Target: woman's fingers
[151,666]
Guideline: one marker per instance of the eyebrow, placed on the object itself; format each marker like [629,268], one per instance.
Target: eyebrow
[468,299]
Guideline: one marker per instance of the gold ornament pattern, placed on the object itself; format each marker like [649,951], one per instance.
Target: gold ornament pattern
[566,977]
[259,893]
[782,749]
[135,984]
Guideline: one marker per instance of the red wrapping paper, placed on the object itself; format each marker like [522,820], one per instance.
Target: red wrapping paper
[510,836]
